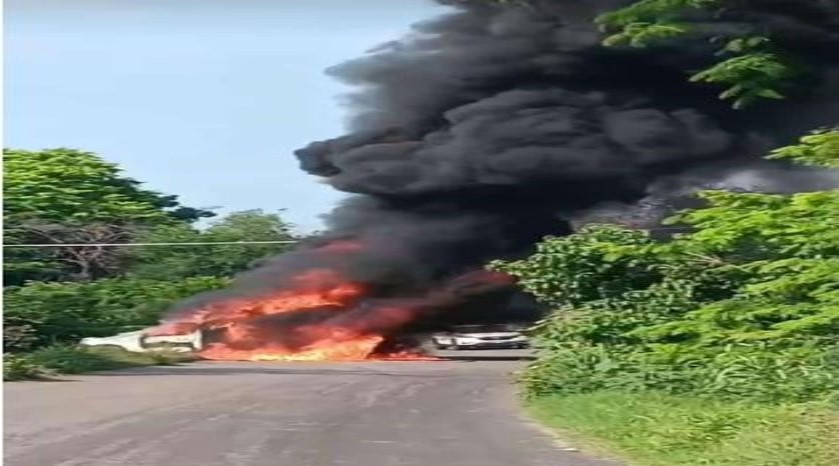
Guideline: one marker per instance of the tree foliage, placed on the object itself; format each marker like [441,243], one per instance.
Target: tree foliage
[745,306]
[750,67]
[62,294]
[215,260]
[819,149]
[69,196]
[63,312]
[72,261]
[70,186]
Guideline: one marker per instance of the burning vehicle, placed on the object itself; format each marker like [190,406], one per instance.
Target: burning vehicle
[319,316]
[407,347]
[141,341]
[485,130]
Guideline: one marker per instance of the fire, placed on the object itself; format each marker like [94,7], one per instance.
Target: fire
[242,333]
[404,356]
[352,350]
[319,315]
[317,288]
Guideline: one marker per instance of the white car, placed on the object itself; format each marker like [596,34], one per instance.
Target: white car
[140,342]
[480,337]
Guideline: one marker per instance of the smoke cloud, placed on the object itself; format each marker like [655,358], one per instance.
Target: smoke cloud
[487,128]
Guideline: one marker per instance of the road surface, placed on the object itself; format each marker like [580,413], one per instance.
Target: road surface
[450,413]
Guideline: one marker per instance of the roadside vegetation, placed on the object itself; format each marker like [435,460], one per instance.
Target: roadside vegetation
[656,429]
[56,360]
[715,347]
[54,296]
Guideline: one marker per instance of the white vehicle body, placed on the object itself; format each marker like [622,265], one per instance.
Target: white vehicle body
[476,338]
[141,342]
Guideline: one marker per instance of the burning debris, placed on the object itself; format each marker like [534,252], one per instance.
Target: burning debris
[475,136]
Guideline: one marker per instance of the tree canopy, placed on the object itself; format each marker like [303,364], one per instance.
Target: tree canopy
[69,186]
[69,196]
[61,294]
[215,260]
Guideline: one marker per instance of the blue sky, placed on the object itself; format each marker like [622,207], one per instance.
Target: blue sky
[206,99]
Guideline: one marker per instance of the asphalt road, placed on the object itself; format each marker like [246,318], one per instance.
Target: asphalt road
[448,413]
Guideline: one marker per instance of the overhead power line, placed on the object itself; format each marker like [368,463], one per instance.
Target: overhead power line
[112,245]
[211,243]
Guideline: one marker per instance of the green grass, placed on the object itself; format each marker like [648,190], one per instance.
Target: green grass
[664,430]
[55,360]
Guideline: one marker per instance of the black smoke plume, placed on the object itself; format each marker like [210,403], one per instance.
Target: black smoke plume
[492,126]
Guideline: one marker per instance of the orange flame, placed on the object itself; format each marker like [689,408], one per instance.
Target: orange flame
[327,350]
[316,289]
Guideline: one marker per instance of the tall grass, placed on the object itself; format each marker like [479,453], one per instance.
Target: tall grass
[54,360]
[666,430]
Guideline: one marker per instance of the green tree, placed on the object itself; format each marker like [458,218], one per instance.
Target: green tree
[751,67]
[212,260]
[70,186]
[65,195]
[746,61]
[74,262]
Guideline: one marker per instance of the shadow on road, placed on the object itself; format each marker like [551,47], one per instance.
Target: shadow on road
[489,358]
[446,366]
[285,371]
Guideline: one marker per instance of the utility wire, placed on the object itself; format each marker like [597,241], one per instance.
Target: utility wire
[214,243]
[105,245]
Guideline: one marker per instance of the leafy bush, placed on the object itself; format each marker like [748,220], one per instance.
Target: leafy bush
[747,306]
[65,359]
[40,314]
[731,373]
[16,367]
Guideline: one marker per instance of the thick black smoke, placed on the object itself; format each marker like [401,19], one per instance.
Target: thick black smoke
[487,128]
